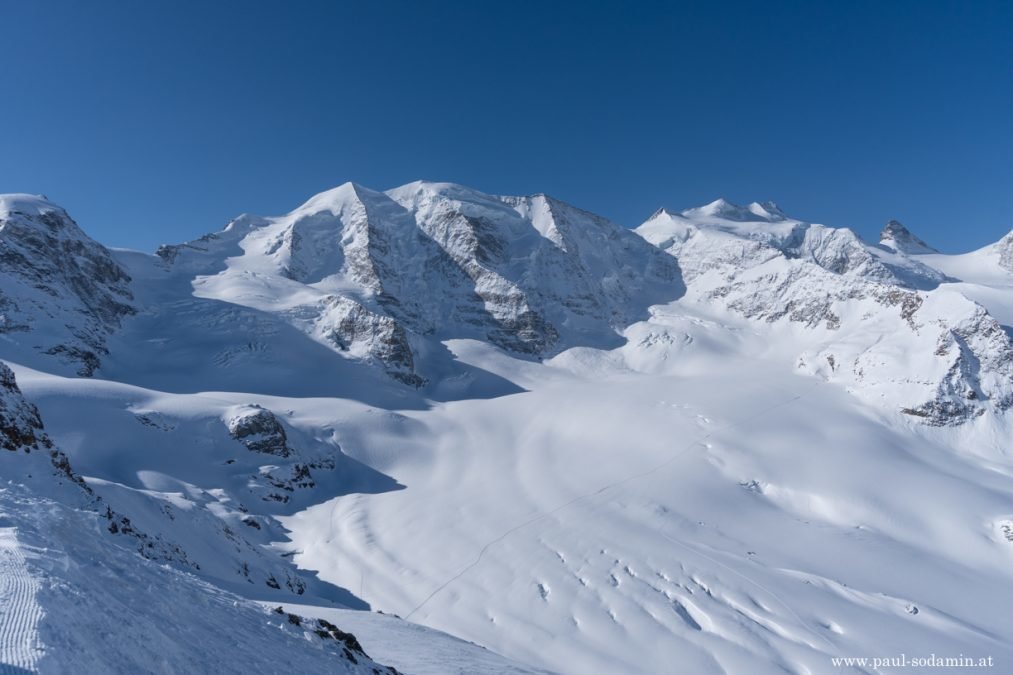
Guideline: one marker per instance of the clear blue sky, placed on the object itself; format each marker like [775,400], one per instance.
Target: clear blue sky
[157,121]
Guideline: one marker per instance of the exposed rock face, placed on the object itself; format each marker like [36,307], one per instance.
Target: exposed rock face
[900,239]
[20,424]
[262,432]
[1005,246]
[22,430]
[548,275]
[61,293]
[259,430]
[882,324]
[352,328]
[982,353]
[947,363]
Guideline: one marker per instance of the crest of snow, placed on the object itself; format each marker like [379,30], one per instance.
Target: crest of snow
[25,204]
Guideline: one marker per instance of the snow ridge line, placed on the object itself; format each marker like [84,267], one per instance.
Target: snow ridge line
[610,486]
[20,613]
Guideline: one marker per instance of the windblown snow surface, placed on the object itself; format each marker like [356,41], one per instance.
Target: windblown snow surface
[729,442]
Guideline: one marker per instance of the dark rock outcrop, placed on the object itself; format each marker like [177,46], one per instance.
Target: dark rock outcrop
[61,294]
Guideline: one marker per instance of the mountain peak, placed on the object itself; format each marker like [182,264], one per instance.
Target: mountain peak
[899,238]
[32,205]
[720,208]
[659,213]
[26,216]
[334,199]
[725,210]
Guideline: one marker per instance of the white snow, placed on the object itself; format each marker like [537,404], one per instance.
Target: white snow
[20,611]
[713,476]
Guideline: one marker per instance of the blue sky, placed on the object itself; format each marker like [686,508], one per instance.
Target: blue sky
[158,121]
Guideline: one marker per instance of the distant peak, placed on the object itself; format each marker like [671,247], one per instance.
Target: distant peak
[726,210]
[719,206]
[662,212]
[767,210]
[895,228]
[899,238]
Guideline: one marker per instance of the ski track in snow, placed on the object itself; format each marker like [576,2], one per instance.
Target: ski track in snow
[19,611]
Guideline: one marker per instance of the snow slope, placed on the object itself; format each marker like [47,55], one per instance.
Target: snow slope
[985,276]
[83,605]
[730,442]
[717,514]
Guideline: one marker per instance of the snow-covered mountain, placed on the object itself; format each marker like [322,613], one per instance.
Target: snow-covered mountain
[882,322]
[589,449]
[385,277]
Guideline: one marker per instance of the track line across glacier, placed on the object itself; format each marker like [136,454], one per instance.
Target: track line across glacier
[19,610]
[610,487]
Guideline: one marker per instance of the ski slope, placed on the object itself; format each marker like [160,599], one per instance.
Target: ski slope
[20,611]
[75,602]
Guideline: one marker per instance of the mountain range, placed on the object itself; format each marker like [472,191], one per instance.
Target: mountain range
[726,439]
